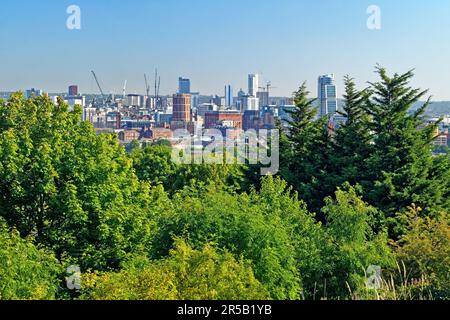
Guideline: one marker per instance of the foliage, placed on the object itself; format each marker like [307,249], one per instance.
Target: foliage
[305,149]
[154,164]
[75,191]
[425,250]
[355,246]
[26,271]
[245,225]
[186,274]
[368,192]
[402,169]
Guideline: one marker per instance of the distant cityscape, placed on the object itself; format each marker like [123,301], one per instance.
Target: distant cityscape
[151,117]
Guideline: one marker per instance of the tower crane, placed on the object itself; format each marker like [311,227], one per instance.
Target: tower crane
[99,87]
[124,91]
[268,87]
[147,87]
[157,87]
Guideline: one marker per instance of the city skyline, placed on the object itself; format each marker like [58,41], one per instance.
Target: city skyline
[282,41]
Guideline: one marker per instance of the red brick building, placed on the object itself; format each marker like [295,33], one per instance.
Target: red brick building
[223,119]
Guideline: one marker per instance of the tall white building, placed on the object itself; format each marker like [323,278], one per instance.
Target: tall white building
[251,103]
[327,95]
[253,84]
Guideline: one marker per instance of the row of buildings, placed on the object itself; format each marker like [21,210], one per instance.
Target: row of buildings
[137,117]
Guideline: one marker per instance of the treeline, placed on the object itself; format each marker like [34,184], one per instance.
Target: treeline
[141,227]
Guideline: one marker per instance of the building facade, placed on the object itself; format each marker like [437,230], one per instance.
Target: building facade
[253,84]
[184,85]
[327,95]
[228,96]
[181,115]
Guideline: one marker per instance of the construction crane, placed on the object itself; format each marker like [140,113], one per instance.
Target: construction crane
[99,87]
[157,87]
[268,87]
[147,87]
[124,91]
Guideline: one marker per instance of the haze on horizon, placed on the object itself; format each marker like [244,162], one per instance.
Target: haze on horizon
[219,42]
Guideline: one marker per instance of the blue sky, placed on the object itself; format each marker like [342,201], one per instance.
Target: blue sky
[218,42]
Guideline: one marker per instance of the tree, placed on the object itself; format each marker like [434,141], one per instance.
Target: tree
[154,164]
[305,151]
[351,144]
[245,225]
[402,170]
[73,190]
[311,245]
[355,245]
[26,271]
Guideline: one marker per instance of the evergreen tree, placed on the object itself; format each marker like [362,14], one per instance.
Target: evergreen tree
[305,150]
[401,169]
[351,145]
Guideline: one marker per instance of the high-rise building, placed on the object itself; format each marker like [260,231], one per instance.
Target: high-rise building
[181,110]
[73,91]
[134,100]
[184,85]
[251,103]
[228,96]
[263,97]
[327,95]
[253,84]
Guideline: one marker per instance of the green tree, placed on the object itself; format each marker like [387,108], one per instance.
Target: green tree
[402,170]
[245,225]
[26,271]
[154,164]
[73,190]
[351,145]
[355,245]
[305,150]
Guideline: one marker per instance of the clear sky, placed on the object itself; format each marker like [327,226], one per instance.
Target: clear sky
[218,42]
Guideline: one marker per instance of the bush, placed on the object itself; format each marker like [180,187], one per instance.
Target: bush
[186,274]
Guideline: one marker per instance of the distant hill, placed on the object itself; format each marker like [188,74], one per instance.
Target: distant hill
[439,108]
